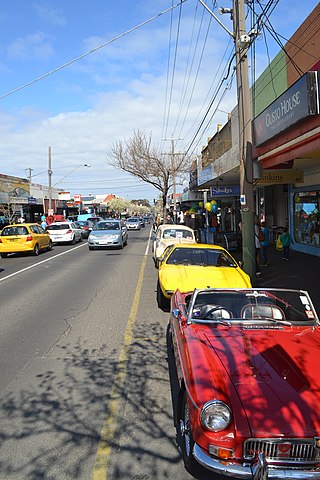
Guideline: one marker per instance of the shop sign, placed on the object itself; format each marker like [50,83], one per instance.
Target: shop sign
[225,191]
[32,200]
[77,198]
[64,196]
[297,103]
[279,177]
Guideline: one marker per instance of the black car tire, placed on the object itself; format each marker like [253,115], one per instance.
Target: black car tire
[36,250]
[4,255]
[186,440]
[91,248]
[73,241]
[50,246]
[162,301]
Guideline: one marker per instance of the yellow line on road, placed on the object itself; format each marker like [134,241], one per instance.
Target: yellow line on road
[100,468]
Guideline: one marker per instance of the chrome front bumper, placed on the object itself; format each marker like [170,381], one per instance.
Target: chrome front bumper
[259,471]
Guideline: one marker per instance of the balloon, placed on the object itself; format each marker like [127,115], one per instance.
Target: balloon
[213,202]
[214,208]
[201,204]
[208,206]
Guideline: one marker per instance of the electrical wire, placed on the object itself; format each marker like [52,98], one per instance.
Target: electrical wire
[90,52]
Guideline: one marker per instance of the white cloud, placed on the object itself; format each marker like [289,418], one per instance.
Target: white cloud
[52,15]
[33,46]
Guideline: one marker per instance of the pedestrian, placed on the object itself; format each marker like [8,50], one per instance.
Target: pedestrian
[169,219]
[44,224]
[286,241]
[257,237]
[265,244]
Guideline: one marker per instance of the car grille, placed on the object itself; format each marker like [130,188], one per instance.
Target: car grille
[284,450]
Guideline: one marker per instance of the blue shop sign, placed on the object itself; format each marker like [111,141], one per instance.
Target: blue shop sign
[225,191]
[32,200]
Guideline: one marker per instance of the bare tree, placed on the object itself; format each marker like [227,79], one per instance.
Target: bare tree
[141,159]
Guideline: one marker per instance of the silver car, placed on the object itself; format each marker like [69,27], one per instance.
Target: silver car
[108,233]
[133,223]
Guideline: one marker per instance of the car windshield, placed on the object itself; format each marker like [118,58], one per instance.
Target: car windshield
[60,226]
[200,256]
[133,220]
[254,306]
[107,226]
[176,233]
[9,231]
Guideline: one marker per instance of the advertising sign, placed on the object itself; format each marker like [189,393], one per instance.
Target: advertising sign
[77,198]
[225,191]
[277,177]
[298,102]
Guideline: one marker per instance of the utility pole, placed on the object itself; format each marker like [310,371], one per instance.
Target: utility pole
[242,43]
[49,179]
[29,174]
[174,181]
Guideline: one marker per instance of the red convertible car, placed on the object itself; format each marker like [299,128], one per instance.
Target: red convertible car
[248,376]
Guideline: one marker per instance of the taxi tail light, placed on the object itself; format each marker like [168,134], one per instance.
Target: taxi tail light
[0,240]
[69,231]
[29,238]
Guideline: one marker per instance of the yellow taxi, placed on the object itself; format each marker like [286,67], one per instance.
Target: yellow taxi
[24,237]
[187,266]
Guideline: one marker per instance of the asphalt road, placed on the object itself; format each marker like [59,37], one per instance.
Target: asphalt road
[85,388]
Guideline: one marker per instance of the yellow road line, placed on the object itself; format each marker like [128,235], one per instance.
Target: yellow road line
[100,468]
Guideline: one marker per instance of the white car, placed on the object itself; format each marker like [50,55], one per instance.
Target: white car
[168,234]
[64,232]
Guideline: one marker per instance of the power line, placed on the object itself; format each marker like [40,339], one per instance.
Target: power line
[80,57]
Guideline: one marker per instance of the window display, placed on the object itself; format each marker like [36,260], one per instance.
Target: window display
[306,218]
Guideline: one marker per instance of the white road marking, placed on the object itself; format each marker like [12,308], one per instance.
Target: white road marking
[40,263]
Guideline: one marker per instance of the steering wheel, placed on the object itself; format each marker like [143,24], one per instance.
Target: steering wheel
[222,310]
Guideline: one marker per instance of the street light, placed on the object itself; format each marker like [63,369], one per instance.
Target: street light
[76,168]
[50,186]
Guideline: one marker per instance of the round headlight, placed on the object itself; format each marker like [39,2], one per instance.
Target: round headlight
[215,416]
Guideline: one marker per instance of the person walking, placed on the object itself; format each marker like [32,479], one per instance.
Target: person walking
[257,237]
[265,244]
[286,241]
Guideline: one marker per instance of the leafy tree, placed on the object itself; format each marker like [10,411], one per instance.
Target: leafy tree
[143,160]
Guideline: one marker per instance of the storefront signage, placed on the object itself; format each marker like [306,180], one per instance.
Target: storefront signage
[77,198]
[297,103]
[279,177]
[64,196]
[225,191]
[32,200]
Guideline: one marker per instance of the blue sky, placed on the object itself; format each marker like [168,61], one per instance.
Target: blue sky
[82,109]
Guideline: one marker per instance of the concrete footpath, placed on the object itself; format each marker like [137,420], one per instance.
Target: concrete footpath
[301,271]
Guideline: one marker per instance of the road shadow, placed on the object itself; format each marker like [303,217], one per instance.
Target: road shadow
[50,429]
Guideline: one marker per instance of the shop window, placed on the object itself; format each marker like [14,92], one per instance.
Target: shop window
[306,218]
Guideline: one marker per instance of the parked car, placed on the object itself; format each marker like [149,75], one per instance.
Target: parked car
[142,223]
[170,235]
[186,267]
[65,232]
[248,382]
[86,226]
[108,233]
[27,237]
[133,223]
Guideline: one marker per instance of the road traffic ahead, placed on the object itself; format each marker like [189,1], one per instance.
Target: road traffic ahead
[84,380]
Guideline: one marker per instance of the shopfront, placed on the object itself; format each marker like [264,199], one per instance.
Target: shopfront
[305,208]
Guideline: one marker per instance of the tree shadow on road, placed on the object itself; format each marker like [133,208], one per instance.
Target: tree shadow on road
[51,428]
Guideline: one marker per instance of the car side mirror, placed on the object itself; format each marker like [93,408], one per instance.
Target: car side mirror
[176,313]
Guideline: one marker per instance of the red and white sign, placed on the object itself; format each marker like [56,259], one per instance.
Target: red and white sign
[77,198]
